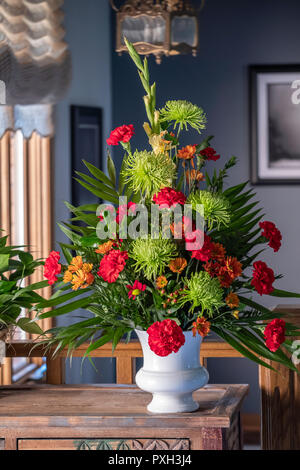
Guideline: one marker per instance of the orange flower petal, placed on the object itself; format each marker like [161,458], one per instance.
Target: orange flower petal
[177,265]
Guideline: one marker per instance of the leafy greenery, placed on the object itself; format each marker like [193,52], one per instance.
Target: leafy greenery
[15,267]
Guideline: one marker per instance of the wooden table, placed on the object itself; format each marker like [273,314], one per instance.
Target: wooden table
[93,417]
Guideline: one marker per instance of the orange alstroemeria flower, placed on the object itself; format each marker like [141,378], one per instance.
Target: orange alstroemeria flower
[67,277]
[75,264]
[226,270]
[230,270]
[233,266]
[89,279]
[194,175]
[81,279]
[79,274]
[187,153]
[78,279]
[161,282]
[202,326]
[87,267]
[212,268]
[105,247]
[232,300]
[177,265]
[218,251]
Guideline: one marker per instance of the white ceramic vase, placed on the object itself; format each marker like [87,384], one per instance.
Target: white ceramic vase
[172,379]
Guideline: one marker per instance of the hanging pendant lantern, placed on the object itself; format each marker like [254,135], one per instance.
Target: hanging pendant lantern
[159,27]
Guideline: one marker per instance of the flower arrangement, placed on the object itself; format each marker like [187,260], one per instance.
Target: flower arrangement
[184,276]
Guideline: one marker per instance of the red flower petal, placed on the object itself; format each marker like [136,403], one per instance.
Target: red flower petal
[52,267]
[165,337]
[263,278]
[120,134]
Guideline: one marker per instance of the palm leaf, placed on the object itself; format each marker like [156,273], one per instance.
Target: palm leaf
[99,174]
[70,307]
[105,338]
[111,169]
[284,293]
[239,347]
[98,193]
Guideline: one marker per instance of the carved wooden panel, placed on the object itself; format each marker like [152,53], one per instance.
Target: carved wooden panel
[103,444]
[233,434]
[211,439]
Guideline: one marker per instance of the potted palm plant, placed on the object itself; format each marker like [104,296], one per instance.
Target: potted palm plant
[15,267]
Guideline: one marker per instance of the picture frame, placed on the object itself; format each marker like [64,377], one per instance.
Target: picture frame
[86,144]
[275,124]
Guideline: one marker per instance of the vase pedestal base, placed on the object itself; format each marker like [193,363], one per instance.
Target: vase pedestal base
[172,403]
[172,379]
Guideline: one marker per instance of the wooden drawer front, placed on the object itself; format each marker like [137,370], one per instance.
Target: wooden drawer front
[103,444]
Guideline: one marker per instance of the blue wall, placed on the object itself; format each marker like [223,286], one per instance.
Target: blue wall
[233,34]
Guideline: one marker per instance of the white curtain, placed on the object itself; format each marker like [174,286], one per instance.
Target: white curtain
[35,64]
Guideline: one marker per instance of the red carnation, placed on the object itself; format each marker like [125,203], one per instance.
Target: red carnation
[52,267]
[199,244]
[210,154]
[204,253]
[120,134]
[165,337]
[275,334]
[271,232]
[263,278]
[112,264]
[169,197]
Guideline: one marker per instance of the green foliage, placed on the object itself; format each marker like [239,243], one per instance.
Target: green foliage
[15,266]
[100,185]
[215,183]
[150,98]
[242,236]
[249,341]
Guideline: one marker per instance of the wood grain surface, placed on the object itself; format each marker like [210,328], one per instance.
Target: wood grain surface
[111,406]
[97,417]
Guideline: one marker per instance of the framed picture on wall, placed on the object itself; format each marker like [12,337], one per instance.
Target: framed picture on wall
[275,124]
[86,144]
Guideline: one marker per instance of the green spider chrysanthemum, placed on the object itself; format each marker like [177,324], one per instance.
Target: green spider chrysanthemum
[183,113]
[147,172]
[204,292]
[216,208]
[152,255]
